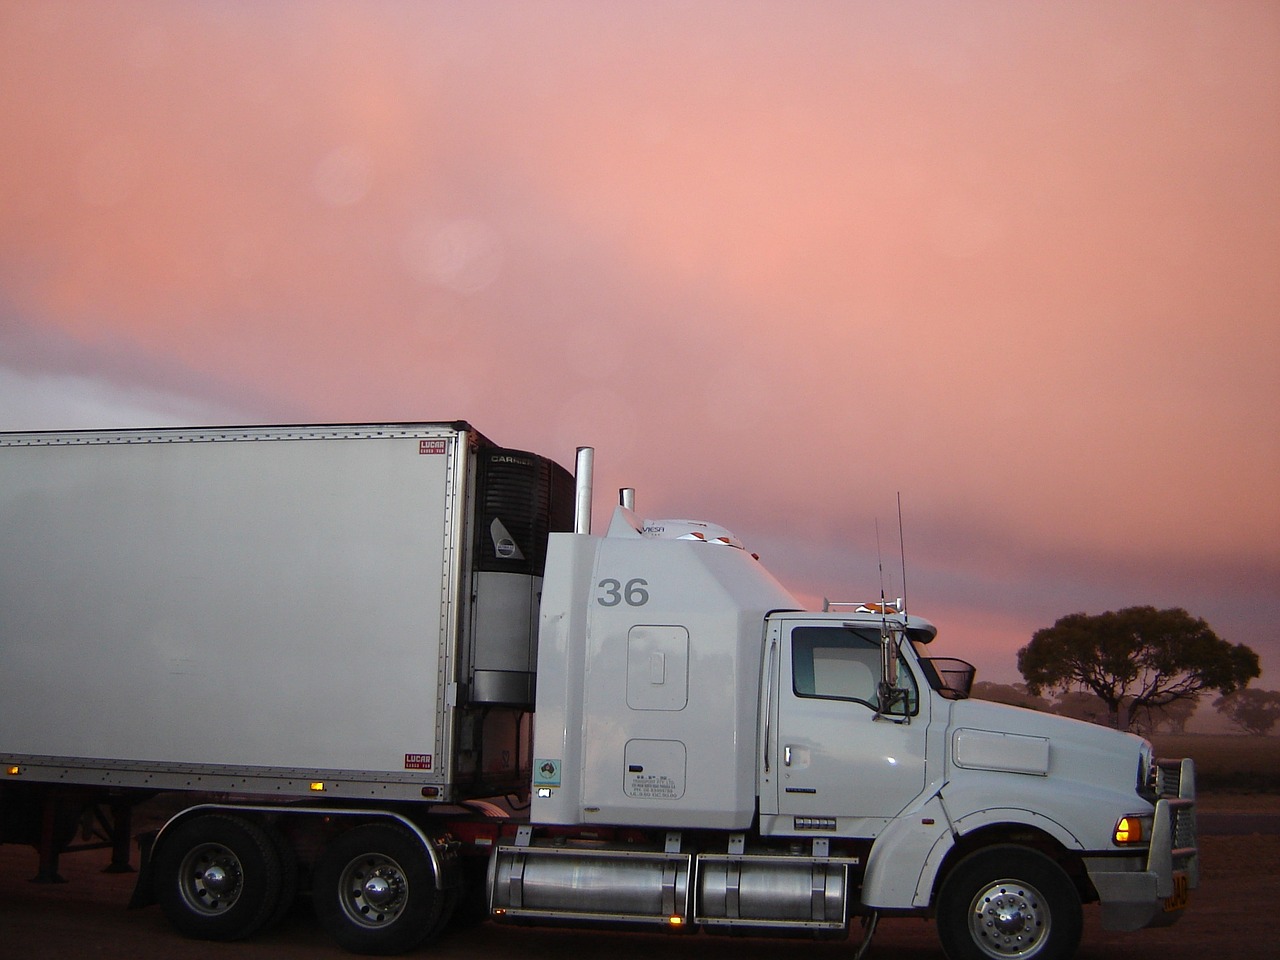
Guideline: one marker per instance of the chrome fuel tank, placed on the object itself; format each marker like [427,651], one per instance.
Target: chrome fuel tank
[589,884]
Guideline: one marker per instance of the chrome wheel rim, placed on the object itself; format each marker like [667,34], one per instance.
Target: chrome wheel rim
[212,879]
[1009,919]
[374,890]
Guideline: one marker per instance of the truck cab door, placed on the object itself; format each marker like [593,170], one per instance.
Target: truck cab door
[832,754]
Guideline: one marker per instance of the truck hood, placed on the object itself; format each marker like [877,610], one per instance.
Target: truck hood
[997,737]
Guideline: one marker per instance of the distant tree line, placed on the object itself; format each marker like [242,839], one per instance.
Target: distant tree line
[1253,711]
[1082,705]
[1138,669]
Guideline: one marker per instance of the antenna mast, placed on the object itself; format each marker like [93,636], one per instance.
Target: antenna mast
[890,694]
[880,565]
[902,547]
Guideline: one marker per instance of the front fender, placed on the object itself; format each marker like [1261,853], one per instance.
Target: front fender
[903,865]
[920,837]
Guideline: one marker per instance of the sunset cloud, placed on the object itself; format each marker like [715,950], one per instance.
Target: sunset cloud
[778,262]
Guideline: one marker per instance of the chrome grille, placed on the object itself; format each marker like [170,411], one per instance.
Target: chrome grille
[1184,824]
[1167,779]
[1175,784]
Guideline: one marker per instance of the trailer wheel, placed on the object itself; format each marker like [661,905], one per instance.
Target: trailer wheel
[375,891]
[1009,903]
[217,878]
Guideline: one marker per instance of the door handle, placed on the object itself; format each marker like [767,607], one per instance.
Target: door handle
[786,755]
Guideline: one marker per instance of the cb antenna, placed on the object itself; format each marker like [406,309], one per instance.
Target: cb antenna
[902,547]
[880,568]
[889,692]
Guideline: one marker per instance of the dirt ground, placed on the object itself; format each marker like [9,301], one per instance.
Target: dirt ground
[1231,915]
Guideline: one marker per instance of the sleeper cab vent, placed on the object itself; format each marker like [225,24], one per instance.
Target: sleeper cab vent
[521,497]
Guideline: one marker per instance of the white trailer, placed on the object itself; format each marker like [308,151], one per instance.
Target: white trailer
[332,640]
[335,610]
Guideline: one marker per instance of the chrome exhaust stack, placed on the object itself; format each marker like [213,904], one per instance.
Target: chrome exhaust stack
[582,490]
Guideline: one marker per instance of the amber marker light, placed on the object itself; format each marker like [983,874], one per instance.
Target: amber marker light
[1130,830]
[13,770]
[317,786]
[676,921]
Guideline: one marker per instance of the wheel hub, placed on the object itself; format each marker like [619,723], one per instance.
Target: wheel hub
[1009,919]
[213,879]
[218,881]
[377,890]
[1009,915]
[380,890]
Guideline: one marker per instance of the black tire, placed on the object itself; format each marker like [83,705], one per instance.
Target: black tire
[217,877]
[375,891]
[1009,903]
[288,860]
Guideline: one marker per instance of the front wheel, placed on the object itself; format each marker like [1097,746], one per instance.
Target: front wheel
[1009,903]
[375,891]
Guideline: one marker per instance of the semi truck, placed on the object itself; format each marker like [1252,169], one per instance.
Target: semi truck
[390,667]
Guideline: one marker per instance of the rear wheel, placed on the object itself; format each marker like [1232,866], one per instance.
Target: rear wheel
[217,877]
[375,891]
[1009,903]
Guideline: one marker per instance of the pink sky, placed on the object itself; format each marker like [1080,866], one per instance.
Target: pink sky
[777,261]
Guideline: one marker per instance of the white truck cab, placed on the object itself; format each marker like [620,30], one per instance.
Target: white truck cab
[810,766]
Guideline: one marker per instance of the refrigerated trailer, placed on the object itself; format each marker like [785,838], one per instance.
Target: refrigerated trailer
[390,665]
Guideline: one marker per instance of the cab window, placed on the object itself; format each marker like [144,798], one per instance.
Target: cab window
[839,663]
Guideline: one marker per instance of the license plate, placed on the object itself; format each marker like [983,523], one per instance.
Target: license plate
[1181,893]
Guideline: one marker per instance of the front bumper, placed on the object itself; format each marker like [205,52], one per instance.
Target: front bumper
[1134,894]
